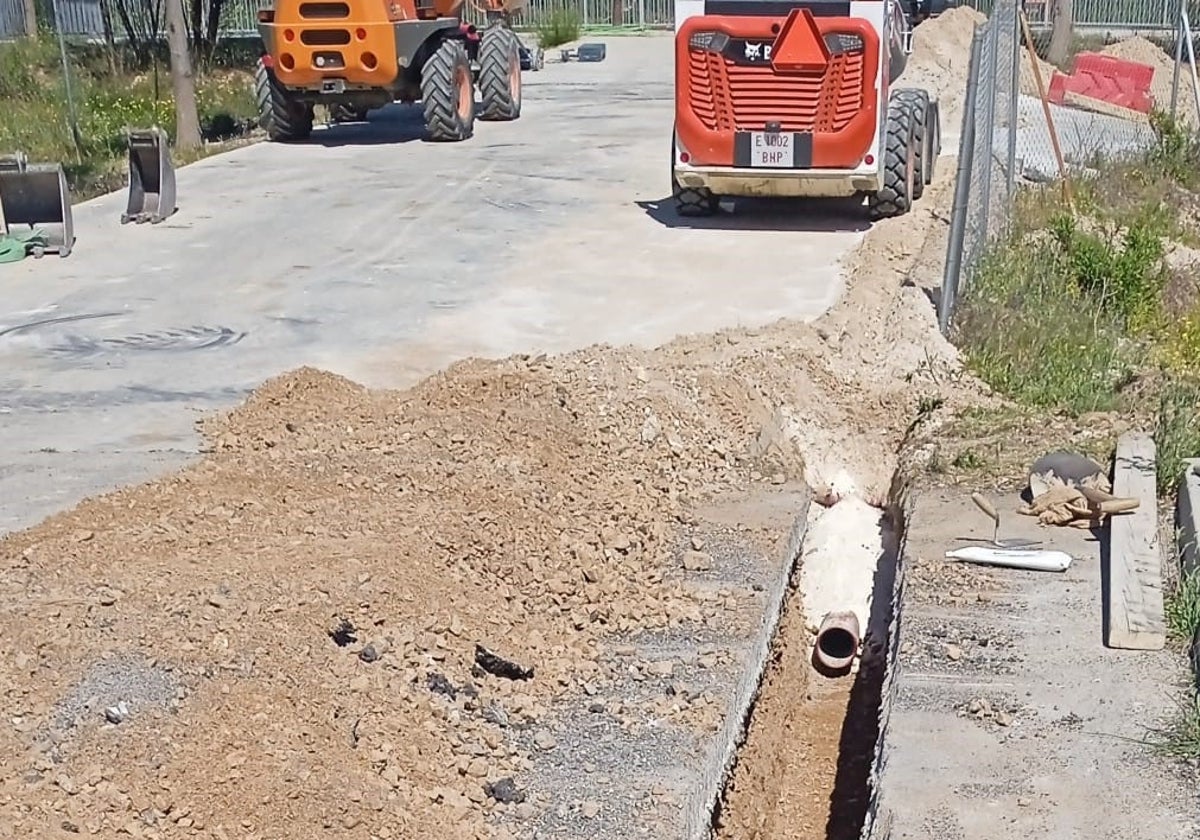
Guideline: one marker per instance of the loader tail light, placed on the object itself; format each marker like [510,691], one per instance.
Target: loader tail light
[869,160]
[709,41]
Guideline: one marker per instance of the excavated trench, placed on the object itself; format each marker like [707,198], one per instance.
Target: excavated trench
[809,761]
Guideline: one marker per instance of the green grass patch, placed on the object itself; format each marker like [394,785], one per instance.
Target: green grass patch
[1078,308]
[1181,738]
[1182,608]
[110,97]
[561,26]
[1177,431]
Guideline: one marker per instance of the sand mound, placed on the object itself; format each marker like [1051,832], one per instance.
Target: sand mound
[941,58]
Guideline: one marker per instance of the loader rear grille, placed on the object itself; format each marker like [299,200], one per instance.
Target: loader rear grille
[738,97]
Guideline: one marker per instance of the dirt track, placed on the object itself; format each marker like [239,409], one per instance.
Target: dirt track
[531,504]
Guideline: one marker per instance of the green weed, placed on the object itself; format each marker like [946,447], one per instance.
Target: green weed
[561,26]
[1177,432]
[1181,738]
[1183,608]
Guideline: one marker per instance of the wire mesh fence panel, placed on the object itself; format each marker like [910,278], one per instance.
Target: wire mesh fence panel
[12,18]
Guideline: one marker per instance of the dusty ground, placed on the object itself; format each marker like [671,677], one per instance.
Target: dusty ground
[531,505]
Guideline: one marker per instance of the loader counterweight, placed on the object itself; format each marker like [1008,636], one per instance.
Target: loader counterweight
[788,98]
[355,55]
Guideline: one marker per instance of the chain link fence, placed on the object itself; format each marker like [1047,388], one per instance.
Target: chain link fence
[1013,136]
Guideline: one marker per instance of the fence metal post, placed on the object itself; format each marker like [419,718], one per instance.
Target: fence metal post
[1178,60]
[1014,102]
[993,36]
[962,190]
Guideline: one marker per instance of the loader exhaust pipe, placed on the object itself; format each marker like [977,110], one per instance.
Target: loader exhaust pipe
[837,643]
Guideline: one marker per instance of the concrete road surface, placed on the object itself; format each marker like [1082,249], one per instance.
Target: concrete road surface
[375,254]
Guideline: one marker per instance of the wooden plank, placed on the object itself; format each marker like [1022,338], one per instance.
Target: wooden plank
[1099,106]
[1135,597]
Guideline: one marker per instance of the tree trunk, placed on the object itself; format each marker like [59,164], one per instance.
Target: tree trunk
[1062,34]
[31,26]
[183,80]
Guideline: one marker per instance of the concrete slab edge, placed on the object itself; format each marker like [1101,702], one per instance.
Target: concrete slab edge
[1134,614]
[701,802]
[1187,519]
[878,822]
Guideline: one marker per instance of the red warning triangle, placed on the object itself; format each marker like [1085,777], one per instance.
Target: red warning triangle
[800,45]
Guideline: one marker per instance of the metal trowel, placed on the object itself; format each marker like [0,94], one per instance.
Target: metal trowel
[1012,542]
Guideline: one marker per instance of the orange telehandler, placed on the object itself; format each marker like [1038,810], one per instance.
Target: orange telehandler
[355,55]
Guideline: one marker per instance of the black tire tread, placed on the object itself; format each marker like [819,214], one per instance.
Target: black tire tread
[892,198]
[498,48]
[284,119]
[918,100]
[439,97]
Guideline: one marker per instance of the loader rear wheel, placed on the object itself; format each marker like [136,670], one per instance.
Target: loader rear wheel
[283,117]
[918,101]
[448,94]
[899,165]
[500,74]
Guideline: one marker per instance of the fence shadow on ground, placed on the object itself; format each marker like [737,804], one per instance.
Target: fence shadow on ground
[795,215]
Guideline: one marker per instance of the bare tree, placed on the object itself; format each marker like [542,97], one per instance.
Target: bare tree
[1062,33]
[31,26]
[183,80]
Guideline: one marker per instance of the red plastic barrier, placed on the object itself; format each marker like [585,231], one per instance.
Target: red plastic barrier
[1113,80]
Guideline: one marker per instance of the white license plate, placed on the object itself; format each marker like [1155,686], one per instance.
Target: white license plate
[771,150]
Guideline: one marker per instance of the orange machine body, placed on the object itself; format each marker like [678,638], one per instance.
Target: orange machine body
[742,77]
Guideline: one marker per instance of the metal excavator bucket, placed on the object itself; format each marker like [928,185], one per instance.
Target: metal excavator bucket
[35,196]
[151,177]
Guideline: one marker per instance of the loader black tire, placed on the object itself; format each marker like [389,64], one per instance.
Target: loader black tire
[899,164]
[279,114]
[448,94]
[691,201]
[918,100]
[499,74]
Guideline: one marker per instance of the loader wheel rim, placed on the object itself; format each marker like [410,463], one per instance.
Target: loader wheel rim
[466,92]
[514,77]
[910,171]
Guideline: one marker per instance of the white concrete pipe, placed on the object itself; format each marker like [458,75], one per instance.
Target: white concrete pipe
[837,641]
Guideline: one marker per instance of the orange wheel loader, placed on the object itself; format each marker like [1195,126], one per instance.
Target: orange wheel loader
[355,55]
[797,98]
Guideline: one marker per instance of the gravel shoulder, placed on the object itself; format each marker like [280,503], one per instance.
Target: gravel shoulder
[1011,718]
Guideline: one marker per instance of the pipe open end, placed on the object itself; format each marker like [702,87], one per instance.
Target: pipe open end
[837,642]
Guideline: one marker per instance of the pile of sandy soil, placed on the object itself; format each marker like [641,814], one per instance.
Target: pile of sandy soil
[282,639]
[941,59]
[1144,51]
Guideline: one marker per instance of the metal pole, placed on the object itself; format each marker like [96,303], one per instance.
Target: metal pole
[1014,102]
[990,112]
[962,191]
[1187,28]
[1178,59]
[72,117]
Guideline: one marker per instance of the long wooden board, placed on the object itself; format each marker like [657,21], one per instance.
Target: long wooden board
[1135,597]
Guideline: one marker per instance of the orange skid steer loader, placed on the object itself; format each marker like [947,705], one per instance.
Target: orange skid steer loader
[796,98]
[355,55]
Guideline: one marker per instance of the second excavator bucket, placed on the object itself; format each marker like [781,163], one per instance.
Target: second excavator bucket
[36,197]
[151,177]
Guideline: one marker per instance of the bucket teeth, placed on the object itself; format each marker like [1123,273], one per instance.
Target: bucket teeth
[151,177]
